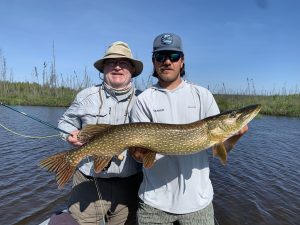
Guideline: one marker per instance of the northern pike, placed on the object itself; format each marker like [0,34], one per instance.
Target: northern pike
[103,141]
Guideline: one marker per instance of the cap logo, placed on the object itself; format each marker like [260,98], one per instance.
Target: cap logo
[166,39]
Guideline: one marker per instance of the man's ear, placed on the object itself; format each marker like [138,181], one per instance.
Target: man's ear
[182,63]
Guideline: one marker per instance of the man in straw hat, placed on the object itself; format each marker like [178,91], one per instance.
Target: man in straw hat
[110,195]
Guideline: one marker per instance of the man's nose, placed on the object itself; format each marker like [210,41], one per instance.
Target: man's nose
[167,61]
[117,66]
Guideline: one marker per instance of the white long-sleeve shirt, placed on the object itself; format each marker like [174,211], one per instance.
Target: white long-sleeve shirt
[176,184]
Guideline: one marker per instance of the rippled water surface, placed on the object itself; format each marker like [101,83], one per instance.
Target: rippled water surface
[259,185]
[261,182]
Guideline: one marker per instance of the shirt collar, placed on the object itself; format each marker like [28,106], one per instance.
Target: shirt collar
[117,96]
[159,88]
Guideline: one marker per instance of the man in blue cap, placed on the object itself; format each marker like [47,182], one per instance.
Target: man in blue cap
[177,189]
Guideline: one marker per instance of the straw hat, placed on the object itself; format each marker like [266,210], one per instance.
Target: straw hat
[118,50]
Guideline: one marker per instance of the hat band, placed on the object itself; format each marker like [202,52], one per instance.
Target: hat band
[117,54]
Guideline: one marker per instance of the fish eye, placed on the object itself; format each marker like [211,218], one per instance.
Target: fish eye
[233,114]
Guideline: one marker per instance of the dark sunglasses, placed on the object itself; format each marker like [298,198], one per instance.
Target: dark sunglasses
[162,56]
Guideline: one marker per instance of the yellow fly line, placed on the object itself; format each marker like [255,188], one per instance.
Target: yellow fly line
[28,136]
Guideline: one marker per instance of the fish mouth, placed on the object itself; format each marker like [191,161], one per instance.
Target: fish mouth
[249,112]
[251,109]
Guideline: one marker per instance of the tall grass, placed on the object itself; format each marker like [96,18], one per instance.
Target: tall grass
[276,102]
[48,88]
[279,105]
[25,93]
[52,89]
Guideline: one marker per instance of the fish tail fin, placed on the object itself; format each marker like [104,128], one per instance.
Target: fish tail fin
[59,164]
[220,151]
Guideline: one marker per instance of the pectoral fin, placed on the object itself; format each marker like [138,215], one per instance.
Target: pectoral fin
[100,162]
[231,142]
[149,159]
[220,151]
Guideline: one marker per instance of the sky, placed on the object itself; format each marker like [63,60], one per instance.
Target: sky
[229,45]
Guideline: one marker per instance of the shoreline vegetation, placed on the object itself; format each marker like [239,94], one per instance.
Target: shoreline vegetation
[51,89]
[34,94]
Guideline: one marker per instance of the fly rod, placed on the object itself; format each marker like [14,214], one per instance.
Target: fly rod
[36,119]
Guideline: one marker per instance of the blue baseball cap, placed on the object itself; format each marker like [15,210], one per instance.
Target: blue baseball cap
[167,42]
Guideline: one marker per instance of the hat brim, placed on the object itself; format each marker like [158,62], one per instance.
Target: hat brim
[138,65]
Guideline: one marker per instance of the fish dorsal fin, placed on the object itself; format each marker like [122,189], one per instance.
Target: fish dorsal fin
[149,159]
[220,151]
[100,162]
[91,130]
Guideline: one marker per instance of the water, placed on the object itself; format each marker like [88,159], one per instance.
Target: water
[28,194]
[259,185]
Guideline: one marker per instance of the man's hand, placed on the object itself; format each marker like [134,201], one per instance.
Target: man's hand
[243,130]
[138,153]
[72,139]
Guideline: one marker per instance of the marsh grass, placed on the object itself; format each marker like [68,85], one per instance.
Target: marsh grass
[279,105]
[276,102]
[48,87]
[25,93]
[52,89]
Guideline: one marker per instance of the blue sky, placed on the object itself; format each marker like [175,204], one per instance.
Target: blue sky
[227,43]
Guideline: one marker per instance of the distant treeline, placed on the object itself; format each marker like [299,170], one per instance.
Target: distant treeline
[50,88]
[25,93]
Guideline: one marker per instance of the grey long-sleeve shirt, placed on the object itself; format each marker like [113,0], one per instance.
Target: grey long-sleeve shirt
[85,109]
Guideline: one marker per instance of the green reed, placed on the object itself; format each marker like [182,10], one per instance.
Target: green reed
[277,105]
[49,88]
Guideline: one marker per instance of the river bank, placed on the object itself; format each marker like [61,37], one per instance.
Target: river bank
[33,94]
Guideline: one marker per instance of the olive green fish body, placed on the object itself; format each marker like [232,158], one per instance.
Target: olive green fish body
[105,141]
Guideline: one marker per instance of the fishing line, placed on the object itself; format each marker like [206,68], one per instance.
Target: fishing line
[100,201]
[216,220]
[36,119]
[95,179]
[27,136]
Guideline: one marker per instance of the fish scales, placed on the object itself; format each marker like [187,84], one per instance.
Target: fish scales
[168,139]
[105,141]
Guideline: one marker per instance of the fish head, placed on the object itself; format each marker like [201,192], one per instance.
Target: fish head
[230,122]
[246,114]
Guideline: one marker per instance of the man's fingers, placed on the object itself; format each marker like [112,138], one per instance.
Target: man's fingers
[73,139]
[138,153]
